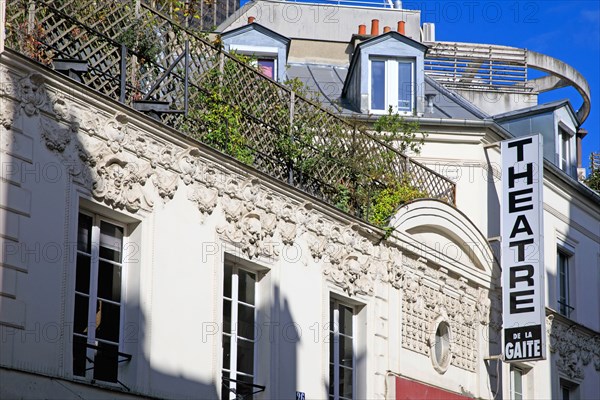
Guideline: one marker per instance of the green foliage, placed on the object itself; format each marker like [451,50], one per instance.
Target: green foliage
[386,200]
[593,180]
[393,129]
[143,41]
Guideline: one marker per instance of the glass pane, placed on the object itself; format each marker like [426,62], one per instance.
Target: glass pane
[404,86]
[267,67]
[82,278]
[227,316]
[246,286]
[378,85]
[245,356]
[227,281]
[246,321]
[80,319]
[517,384]
[345,383]
[111,241]
[345,351]
[84,233]
[226,351]
[109,281]
[346,320]
[106,362]
[107,321]
[79,353]
[331,378]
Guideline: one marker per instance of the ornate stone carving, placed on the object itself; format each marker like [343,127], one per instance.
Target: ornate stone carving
[115,130]
[7,116]
[119,184]
[429,293]
[575,348]
[32,93]
[55,135]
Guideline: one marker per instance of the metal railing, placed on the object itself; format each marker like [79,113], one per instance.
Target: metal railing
[135,53]
[478,67]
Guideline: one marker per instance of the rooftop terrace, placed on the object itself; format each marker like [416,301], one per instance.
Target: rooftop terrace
[134,53]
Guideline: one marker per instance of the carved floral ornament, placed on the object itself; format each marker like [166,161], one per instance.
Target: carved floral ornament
[574,349]
[126,168]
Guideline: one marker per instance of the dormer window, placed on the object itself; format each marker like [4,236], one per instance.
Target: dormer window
[268,49]
[387,71]
[391,84]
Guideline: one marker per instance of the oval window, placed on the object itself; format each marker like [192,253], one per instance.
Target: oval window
[441,347]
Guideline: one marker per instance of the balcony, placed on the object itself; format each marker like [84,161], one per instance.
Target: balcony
[135,54]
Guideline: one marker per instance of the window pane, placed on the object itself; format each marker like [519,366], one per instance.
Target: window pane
[107,321]
[345,351]
[80,323]
[227,281]
[404,86]
[79,353]
[331,378]
[109,281]
[245,321]
[82,278]
[345,383]
[246,286]
[227,316]
[267,67]
[245,356]
[378,85]
[346,320]
[84,233]
[517,384]
[106,362]
[111,241]
[226,351]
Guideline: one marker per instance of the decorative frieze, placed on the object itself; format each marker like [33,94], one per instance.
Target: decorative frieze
[575,348]
[430,294]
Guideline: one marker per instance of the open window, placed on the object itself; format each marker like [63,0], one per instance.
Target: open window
[98,310]
[241,348]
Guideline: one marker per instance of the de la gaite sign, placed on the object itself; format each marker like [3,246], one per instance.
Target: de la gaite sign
[522,254]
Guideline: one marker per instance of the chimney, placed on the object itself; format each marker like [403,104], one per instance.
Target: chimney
[375,27]
[401,25]
[251,20]
[362,29]
[386,29]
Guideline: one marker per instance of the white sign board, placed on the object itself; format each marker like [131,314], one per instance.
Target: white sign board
[522,254]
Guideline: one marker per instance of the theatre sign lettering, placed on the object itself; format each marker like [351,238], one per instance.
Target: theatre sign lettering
[523,331]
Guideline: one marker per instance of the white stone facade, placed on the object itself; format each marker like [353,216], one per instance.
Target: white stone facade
[187,210]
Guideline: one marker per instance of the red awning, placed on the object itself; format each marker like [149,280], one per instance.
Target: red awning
[412,390]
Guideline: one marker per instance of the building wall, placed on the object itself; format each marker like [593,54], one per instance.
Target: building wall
[186,209]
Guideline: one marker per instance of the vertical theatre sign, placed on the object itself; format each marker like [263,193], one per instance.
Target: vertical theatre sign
[523,327]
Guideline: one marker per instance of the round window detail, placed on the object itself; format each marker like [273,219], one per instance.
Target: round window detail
[440,351]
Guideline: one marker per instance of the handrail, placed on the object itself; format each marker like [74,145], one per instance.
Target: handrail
[185,66]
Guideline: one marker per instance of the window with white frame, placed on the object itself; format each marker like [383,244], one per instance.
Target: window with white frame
[341,350]
[391,84]
[263,58]
[563,261]
[239,313]
[564,151]
[516,383]
[97,319]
